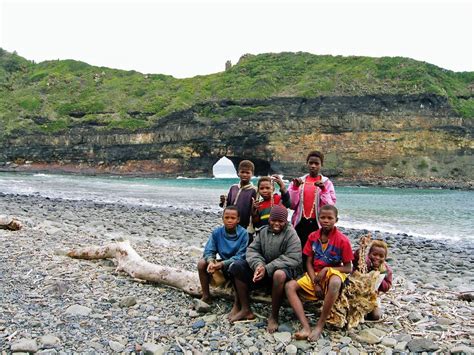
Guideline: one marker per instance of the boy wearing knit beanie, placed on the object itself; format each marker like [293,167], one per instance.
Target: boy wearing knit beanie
[273,258]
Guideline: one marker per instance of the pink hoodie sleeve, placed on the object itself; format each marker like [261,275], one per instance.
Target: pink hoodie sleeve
[328,195]
[294,196]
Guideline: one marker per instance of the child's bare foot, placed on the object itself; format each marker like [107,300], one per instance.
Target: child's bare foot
[235,309]
[303,334]
[315,334]
[272,325]
[207,299]
[242,315]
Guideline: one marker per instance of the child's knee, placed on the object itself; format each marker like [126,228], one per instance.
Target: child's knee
[376,314]
[202,265]
[335,284]
[279,277]
[291,286]
[238,269]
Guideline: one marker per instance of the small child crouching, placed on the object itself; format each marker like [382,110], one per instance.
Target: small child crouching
[329,260]
[230,242]
[375,260]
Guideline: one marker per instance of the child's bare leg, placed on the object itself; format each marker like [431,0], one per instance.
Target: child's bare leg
[242,291]
[235,307]
[291,289]
[278,291]
[332,293]
[204,279]
[376,314]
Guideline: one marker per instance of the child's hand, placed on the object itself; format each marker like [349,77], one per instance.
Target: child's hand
[259,273]
[279,181]
[255,204]
[297,182]
[319,292]
[319,184]
[222,200]
[214,266]
[320,275]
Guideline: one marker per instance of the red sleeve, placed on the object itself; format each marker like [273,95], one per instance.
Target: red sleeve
[347,254]
[276,199]
[308,247]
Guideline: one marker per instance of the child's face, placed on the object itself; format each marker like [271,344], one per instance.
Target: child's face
[327,220]
[265,189]
[377,256]
[245,175]
[231,219]
[314,165]
[277,225]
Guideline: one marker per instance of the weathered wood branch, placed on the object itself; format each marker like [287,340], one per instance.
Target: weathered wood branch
[130,262]
[9,223]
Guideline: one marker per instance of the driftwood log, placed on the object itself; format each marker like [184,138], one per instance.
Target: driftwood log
[356,300]
[9,223]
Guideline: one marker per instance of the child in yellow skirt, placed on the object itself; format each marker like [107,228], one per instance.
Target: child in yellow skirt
[329,260]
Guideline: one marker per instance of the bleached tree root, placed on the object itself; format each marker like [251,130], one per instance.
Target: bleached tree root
[356,300]
[9,223]
[130,262]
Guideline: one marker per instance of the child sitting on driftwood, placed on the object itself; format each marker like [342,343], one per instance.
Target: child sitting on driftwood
[329,261]
[273,258]
[230,242]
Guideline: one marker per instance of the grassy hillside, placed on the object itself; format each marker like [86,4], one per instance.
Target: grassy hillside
[54,95]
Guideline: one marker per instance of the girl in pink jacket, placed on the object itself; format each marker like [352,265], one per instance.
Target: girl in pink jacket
[308,194]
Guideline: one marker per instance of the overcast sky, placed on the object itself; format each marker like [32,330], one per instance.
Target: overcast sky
[187,38]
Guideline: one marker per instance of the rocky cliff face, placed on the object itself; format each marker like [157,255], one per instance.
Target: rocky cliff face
[386,135]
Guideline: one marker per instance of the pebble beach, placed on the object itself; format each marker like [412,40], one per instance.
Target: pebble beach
[50,303]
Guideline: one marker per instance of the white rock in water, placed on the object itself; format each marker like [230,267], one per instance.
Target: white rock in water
[24,345]
[78,310]
[291,349]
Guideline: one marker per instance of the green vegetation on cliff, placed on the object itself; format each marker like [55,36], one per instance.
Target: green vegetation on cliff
[54,95]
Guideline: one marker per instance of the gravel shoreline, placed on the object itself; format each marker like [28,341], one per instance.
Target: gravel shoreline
[50,303]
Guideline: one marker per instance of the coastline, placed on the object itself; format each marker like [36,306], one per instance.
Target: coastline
[135,171]
[40,285]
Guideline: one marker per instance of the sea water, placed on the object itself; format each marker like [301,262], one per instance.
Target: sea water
[430,213]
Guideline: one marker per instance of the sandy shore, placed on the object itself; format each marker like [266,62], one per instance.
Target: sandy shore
[50,303]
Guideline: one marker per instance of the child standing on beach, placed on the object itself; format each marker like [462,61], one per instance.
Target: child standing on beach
[273,258]
[329,260]
[376,260]
[266,199]
[242,194]
[230,242]
[308,194]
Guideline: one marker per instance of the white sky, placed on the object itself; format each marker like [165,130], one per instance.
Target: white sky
[186,38]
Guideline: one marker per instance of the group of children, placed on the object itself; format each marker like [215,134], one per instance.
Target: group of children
[309,259]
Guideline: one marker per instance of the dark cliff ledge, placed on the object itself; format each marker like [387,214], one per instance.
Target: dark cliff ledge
[405,137]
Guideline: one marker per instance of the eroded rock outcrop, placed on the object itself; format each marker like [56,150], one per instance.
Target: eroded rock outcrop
[382,135]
